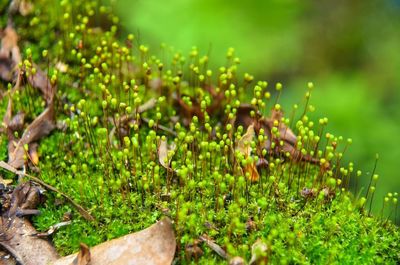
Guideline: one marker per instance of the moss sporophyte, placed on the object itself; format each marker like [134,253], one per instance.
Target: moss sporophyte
[138,137]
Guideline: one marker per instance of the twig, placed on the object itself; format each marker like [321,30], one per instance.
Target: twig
[147,105]
[161,127]
[211,244]
[85,214]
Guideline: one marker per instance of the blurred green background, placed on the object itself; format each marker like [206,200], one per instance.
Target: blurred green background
[349,49]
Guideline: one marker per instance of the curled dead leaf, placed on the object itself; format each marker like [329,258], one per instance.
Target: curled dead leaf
[17,122]
[163,154]
[244,146]
[40,127]
[253,173]
[243,116]
[40,81]
[83,257]
[33,154]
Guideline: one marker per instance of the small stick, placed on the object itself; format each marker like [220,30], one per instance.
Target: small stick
[214,247]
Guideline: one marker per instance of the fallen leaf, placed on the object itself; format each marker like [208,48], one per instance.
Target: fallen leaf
[83,257]
[253,173]
[17,122]
[33,154]
[15,229]
[243,116]
[163,151]
[244,146]
[10,55]
[259,253]
[154,245]
[41,126]
[150,104]
[40,81]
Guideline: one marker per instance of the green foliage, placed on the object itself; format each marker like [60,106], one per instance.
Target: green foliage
[106,154]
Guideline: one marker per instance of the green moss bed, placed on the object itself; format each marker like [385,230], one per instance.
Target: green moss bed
[294,196]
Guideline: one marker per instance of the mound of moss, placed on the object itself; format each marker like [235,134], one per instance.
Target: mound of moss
[141,137]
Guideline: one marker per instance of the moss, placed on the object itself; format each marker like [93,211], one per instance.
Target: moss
[303,210]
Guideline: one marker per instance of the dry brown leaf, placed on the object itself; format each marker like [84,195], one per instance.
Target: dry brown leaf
[10,55]
[33,153]
[163,151]
[83,257]
[286,133]
[154,245]
[40,81]
[243,144]
[244,147]
[40,127]
[17,122]
[252,170]
[15,231]
[187,112]
[243,116]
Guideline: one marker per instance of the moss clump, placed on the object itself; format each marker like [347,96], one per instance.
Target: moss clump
[290,193]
